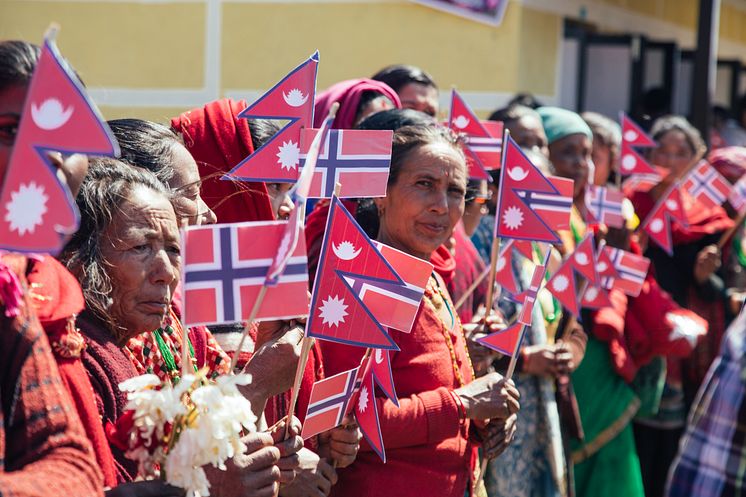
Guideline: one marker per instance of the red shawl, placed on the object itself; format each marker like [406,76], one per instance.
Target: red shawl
[348,94]
[470,267]
[218,141]
[57,299]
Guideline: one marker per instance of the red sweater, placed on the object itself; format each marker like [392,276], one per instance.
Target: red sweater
[427,450]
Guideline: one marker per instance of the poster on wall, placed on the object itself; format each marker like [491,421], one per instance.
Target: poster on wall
[485,11]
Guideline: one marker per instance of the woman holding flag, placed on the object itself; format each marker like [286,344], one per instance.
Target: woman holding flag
[431,438]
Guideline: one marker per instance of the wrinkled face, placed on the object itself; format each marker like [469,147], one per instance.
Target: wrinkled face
[673,152]
[571,158]
[192,210]
[141,251]
[282,206]
[419,97]
[528,133]
[11,106]
[421,209]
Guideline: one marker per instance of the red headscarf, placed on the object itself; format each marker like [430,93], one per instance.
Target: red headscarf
[348,94]
[218,141]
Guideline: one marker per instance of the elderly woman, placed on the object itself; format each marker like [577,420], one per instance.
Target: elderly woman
[127,258]
[431,437]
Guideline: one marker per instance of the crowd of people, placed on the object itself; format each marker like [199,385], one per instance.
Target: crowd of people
[642,398]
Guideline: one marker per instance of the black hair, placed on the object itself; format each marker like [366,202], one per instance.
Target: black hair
[666,124]
[394,119]
[17,62]
[608,132]
[261,130]
[513,113]
[525,99]
[366,98]
[146,144]
[399,75]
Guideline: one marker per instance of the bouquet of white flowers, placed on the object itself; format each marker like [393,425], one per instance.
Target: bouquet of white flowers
[172,431]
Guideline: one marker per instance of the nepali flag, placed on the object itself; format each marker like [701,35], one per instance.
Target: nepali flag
[604,206]
[658,223]
[562,286]
[463,120]
[292,99]
[640,182]
[633,163]
[595,298]
[381,366]
[366,411]
[37,211]
[634,136]
[520,183]
[358,159]
[397,309]
[348,261]
[707,185]
[604,265]
[632,269]
[328,403]
[504,274]
[583,259]
[225,266]
[504,341]
[737,197]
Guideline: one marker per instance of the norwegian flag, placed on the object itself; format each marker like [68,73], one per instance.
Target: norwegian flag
[358,159]
[604,205]
[328,403]
[37,210]
[553,209]
[528,303]
[707,185]
[381,365]
[737,197]
[292,99]
[583,259]
[482,147]
[631,271]
[366,411]
[633,163]
[562,286]
[595,298]
[658,223]
[633,135]
[640,182]
[226,265]
[504,341]
[521,188]
[337,312]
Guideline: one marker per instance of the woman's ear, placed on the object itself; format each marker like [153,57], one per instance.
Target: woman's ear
[379,201]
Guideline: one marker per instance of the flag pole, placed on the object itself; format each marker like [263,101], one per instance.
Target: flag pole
[471,288]
[305,350]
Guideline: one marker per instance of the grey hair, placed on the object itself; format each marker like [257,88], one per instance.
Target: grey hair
[109,182]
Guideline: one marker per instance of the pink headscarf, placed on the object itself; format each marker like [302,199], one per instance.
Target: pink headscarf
[348,94]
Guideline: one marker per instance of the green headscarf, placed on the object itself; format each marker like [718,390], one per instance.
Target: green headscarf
[559,123]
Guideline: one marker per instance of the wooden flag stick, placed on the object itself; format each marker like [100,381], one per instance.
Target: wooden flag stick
[471,288]
[488,302]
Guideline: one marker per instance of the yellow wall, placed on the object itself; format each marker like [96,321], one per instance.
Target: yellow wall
[151,46]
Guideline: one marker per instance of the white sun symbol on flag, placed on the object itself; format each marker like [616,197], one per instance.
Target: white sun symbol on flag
[591,294]
[26,208]
[560,283]
[513,217]
[288,155]
[333,311]
[362,402]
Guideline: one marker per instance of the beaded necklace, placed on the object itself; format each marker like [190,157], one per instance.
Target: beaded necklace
[437,300]
[168,354]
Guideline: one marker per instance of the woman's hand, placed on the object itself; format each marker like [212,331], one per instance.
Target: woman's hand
[150,488]
[497,435]
[490,397]
[272,367]
[481,356]
[548,360]
[341,444]
[315,477]
[288,447]
[252,474]
[708,261]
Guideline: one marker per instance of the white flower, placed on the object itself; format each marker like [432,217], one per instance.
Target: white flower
[139,383]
